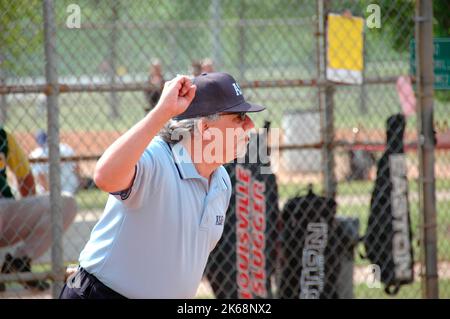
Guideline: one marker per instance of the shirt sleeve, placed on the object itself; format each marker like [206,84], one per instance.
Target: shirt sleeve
[145,177]
[17,160]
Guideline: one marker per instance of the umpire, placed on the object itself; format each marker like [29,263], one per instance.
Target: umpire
[168,193]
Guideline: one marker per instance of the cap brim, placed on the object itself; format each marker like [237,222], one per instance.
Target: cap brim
[244,107]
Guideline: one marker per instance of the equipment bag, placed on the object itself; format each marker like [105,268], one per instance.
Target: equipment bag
[388,239]
[309,260]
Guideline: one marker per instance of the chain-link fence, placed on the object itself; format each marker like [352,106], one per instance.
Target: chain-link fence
[340,210]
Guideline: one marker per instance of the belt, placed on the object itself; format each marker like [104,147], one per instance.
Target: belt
[97,288]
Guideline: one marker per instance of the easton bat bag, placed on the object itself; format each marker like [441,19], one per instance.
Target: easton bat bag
[388,240]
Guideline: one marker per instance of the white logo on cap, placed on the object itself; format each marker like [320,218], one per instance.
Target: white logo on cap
[237,89]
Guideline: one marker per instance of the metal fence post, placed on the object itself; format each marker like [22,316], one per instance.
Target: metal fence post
[425,79]
[53,144]
[242,38]
[216,28]
[363,91]
[112,59]
[325,96]
[3,100]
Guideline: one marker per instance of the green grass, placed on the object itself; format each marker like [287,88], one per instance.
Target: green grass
[351,188]
[362,291]
[78,112]
[91,199]
[411,291]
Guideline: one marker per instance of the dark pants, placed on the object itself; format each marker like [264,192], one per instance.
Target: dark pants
[83,285]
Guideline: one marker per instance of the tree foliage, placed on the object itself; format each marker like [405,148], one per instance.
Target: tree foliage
[21,33]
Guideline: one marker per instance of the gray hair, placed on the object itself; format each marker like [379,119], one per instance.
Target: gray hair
[174,130]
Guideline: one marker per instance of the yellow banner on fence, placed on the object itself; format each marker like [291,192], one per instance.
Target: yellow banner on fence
[345,44]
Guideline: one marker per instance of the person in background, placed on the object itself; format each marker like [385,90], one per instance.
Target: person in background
[70,173]
[207,65]
[196,68]
[155,78]
[25,221]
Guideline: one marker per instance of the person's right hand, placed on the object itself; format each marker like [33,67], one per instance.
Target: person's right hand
[176,96]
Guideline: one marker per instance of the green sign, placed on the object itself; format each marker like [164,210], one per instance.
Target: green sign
[441,58]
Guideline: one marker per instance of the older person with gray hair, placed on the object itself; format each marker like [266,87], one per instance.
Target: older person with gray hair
[168,193]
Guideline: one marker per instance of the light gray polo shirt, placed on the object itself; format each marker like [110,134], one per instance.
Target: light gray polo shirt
[154,240]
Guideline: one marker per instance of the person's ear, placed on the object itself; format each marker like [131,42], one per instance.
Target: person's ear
[203,128]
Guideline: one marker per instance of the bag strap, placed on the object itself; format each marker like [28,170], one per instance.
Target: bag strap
[392,289]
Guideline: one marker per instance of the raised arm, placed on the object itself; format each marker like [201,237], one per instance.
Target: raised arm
[115,168]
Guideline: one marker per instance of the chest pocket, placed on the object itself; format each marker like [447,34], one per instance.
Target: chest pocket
[215,219]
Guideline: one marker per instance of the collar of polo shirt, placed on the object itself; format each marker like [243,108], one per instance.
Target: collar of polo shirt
[184,162]
[187,169]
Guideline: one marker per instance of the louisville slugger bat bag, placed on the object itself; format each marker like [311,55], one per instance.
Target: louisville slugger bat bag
[388,240]
[309,259]
[244,259]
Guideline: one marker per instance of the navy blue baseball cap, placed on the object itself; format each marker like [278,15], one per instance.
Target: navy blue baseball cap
[217,92]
